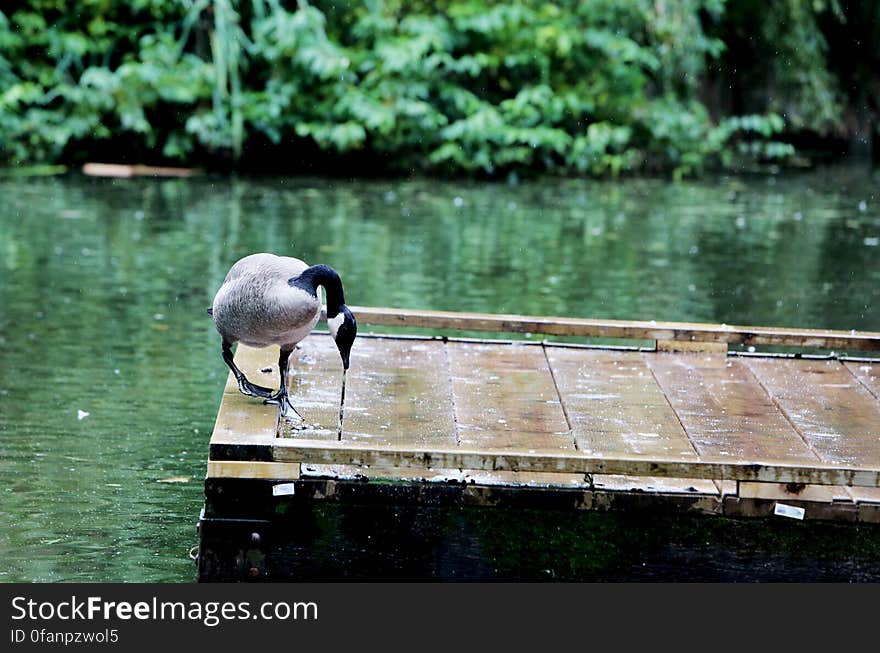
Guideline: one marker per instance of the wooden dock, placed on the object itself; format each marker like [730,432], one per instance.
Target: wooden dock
[681,423]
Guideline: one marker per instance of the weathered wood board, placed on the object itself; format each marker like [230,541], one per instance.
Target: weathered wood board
[834,413]
[398,393]
[614,404]
[868,374]
[724,410]
[505,398]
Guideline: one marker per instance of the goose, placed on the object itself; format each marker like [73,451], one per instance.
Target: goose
[273,300]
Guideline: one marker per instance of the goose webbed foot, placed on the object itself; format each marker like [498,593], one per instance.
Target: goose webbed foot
[245,387]
[284,406]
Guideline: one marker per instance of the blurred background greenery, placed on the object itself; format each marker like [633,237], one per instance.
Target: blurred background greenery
[443,86]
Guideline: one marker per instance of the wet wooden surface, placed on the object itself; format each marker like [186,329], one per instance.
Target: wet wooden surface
[868,374]
[614,404]
[724,411]
[830,408]
[398,393]
[505,398]
[673,423]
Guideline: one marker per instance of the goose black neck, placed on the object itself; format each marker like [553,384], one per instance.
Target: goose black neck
[322,275]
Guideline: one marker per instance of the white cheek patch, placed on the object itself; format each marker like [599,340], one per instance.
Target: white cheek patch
[334,324]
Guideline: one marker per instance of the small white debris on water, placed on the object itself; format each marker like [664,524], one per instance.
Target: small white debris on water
[872,241]
[82,414]
[740,222]
[863,206]
[458,201]
[694,250]
[798,216]
[158,317]
[752,349]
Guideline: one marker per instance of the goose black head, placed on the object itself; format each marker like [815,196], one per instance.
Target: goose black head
[343,329]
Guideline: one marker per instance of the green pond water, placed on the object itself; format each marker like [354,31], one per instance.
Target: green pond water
[104,285]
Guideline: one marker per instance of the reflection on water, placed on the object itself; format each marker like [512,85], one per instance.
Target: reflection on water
[104,284]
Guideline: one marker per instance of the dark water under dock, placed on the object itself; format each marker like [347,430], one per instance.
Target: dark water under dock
[103,286]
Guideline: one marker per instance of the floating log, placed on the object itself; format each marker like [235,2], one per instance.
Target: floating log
[123,170]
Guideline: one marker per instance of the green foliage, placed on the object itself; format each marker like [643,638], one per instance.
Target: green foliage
[789,51]
[452,86]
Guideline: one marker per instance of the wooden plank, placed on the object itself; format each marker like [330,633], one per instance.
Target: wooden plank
[614,405]
[868,375]
[865,494]
[399,394]
[355,473]
[505,397]
[560,326]
[244,420]
[793,491]
[468,477]
[252,469]
[496,459]
[725,411]
[834,413]
[526,479]
[620,483]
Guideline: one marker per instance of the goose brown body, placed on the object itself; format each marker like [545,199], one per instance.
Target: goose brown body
[257,306]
